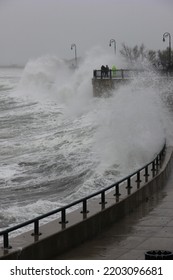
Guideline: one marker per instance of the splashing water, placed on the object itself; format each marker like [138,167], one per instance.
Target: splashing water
[59,143]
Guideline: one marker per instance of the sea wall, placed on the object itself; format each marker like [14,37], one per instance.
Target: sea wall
[103,87]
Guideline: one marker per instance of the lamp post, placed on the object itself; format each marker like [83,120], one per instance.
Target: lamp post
[75,49]
[110,44]
[165,35]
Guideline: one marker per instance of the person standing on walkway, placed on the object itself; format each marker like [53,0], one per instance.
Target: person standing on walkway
[107,71]
[103,71]
[114,71]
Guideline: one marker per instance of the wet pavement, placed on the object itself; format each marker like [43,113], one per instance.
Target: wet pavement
[149,227]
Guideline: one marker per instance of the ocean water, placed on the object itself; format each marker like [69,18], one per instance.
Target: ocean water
[59,143]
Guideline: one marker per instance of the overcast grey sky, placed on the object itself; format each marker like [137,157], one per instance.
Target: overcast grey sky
[32,28]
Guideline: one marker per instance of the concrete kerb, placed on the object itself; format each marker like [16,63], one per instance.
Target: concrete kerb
[55,240]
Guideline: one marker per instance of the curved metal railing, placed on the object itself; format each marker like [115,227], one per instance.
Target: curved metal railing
[154,166]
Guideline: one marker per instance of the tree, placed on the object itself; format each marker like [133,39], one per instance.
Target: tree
[152,58]
[163,58]
[138,54]
[133,55]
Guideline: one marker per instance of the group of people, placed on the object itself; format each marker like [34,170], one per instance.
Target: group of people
[105,71]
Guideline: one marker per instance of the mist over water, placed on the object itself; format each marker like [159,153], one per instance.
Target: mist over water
[59,143]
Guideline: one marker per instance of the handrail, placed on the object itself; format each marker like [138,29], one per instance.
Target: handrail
[125,73]
[114,74]
[156,163]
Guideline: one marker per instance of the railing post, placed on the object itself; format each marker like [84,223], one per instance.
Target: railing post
[129,185]
[36,228]
[63,217]
[103,198]
[84,208]
[146,175]
[138,179]
[6,241]
[159,160]
[117,192]
[157,164]
[153,168]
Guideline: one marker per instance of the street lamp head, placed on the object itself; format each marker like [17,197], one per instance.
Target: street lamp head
[111,41]
[110,44]
[72,46]
[166,34]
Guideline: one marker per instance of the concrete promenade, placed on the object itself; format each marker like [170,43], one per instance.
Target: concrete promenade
[149,227]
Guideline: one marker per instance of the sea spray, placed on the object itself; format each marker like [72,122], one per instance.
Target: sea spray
[128,128]
[39,78]
[131,128]
[63,143]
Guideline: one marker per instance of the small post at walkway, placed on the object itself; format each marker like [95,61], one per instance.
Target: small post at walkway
[129,187]
[146,175]
[138,179]
[84,210]
[117,192]
[6,241]
[63,217]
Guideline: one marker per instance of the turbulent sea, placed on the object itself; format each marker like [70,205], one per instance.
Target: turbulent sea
[58,143]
